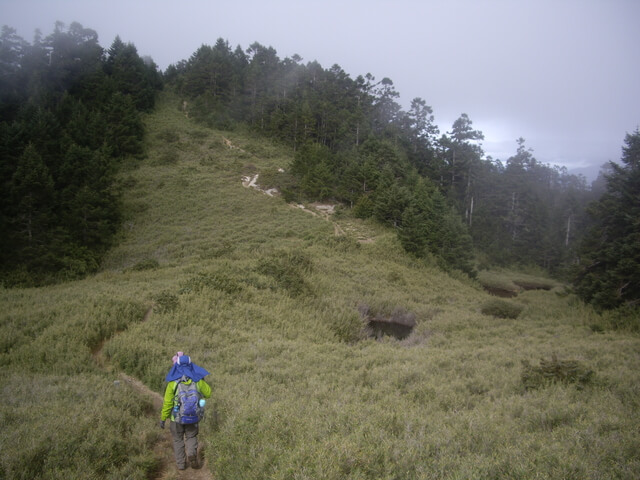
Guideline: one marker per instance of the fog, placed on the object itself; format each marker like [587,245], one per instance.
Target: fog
[561,74]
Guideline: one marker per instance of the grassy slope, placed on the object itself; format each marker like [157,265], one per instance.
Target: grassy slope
[296,395]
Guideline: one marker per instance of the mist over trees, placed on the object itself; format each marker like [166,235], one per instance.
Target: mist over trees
[69,115]
[353,143]
[609,273]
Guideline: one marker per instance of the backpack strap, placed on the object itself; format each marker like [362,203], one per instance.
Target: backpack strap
[182,379]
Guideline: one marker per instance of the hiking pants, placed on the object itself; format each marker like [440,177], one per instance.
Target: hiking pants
[184,436]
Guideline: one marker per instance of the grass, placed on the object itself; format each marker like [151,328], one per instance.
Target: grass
[510,283]
[266,297]
[501,308]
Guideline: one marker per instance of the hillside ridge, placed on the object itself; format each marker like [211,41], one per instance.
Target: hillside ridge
[292,321]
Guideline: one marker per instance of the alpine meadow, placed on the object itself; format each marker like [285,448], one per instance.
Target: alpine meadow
[373,301]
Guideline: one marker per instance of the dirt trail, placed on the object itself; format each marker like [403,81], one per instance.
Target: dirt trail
[163,449]
[319,210]
[324,211]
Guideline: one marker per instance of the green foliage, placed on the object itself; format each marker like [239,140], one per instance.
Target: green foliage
[352,142]
[343,244]
[625,318]
[609,273]
[364,207]
[76,120]
[508,283]
[131,75]
[168,136]
[165,302]
[429,227]
[288,269]
[554,370]
[146,264]
[215,281]
[55,434]
[502,308]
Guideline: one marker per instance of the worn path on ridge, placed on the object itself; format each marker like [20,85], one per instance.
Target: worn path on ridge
[163,449]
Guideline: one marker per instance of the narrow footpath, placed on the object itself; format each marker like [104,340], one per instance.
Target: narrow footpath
[163,449]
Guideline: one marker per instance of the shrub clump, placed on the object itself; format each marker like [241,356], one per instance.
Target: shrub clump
[147,264]
[169,136]
[554,371]
[215,281]
[501,308]
[343,243]
[625,318]
[288,269]
[534,284]
[169,156]
[165,302]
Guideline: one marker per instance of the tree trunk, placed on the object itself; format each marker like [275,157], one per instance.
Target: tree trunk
[513,216]
[453,167]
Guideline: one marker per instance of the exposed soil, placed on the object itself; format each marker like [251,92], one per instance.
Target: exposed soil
[521,286]
[324,211]
[399,324]
[379,328]
[532,285]
[501,292]
[317,209]
[163,449]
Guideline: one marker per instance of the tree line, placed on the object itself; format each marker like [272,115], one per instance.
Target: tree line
[69,115]
[353,143]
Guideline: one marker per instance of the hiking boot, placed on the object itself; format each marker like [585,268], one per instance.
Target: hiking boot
[182,467]
[193,461]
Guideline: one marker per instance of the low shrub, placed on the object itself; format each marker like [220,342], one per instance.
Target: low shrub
[215,281]
[167,135]
[501,308]
[347,327]
[534,283]
[554,371]
[342,243]
[216,251]
[169,156]
[288,269]
[146,264]
[624,318]
[165,302]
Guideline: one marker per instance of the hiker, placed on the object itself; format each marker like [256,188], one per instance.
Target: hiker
[183,403]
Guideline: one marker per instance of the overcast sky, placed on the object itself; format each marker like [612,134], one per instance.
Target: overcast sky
[563,74]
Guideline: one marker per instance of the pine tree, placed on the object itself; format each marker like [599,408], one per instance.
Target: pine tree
[124,126]
[130,75]
[609,274]
[32,196]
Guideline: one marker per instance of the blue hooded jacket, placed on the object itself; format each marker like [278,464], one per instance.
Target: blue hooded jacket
[184,367]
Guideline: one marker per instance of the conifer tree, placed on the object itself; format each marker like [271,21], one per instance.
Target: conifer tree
[609,272]
[32,194]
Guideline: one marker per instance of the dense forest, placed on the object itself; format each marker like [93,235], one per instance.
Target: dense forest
[70,115]
[354,143]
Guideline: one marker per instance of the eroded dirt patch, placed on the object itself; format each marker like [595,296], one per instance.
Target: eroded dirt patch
[501,292]
[399,324]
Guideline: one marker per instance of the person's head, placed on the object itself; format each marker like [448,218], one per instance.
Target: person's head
[184,367]
[177,356]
